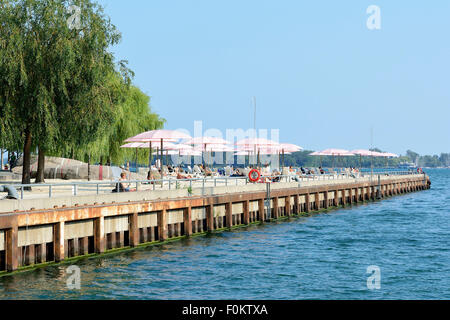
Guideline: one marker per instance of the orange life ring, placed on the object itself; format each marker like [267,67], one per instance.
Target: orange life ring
[254,175]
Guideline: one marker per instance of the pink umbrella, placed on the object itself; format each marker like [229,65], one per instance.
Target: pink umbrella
[333,152]
[287,148]
[391,155]
[255,144]
[206,141]
[158,135]
[179,146]
[336,152]
[182,152]
[365,153]
[213,148]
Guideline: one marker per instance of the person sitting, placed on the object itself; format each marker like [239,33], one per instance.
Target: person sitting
[121,187]
[276,176]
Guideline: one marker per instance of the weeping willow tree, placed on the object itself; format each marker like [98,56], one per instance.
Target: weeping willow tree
[58,80]
[131,116]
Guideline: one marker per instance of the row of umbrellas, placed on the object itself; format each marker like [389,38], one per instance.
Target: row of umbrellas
[164,140]
[359,152]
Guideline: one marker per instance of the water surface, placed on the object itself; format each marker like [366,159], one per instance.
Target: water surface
[320,257]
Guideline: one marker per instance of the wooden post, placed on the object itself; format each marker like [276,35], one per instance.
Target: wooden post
[41,253]
[84,246]
[162,225]
[296,204]
[350,198]
[327,201]
[58,241]
[287,206]
[336,198]
[187,217]
[261,210]
[12,249]
[229,214]
[275,208]
[356,195]
[133,230]
[210,217]
[344,200]
[308,203]
[76,246]
[317,201]
[99,235]
[246,207]
[120,239]
[111,240]
[30,258]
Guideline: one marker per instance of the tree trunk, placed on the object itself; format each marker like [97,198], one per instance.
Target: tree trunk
[41,167]
[89,167]
[26,175]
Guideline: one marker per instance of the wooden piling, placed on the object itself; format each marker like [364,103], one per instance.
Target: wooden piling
[58,241]
[162,225]
[99,235]
[187,218]
[229,214]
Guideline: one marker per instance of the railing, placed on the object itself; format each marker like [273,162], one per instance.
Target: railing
[174,184]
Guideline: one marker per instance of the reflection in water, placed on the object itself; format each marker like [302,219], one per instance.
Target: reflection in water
[319,257]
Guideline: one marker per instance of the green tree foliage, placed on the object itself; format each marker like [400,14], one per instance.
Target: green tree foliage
[60,91]
[52,76]
[131,117]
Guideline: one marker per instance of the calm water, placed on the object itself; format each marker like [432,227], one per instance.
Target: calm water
[321,257]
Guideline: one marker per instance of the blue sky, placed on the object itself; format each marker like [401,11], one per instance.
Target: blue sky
[318,74]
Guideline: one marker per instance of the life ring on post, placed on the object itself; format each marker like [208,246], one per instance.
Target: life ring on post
[254,175]
[419,170]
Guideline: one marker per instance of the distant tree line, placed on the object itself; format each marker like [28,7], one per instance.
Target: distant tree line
[303,159]
[61,91]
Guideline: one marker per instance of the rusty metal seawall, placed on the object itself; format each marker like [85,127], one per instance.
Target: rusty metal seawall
[35,237]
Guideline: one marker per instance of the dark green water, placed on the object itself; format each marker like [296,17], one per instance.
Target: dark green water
[321,257]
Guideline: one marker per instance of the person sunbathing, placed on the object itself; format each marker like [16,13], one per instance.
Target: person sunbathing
[182,176]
